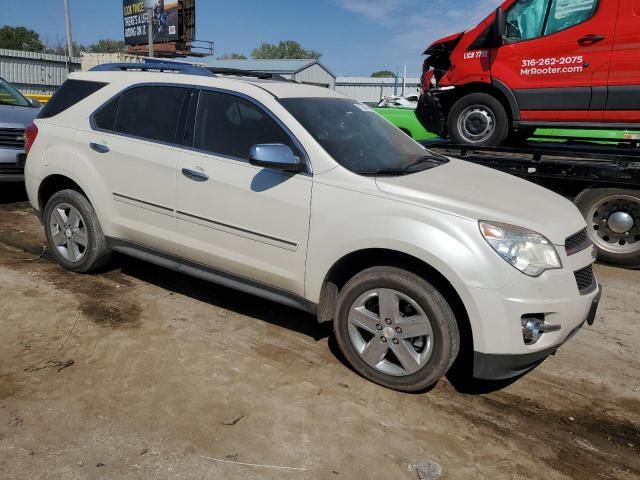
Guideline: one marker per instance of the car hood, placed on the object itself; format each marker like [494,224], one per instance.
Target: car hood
[16,117]
[480,193]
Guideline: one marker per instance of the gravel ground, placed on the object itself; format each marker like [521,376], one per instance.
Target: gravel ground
[138,372]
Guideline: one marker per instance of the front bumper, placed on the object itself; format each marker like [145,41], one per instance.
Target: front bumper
[433,109]
[12,165]
[504,366]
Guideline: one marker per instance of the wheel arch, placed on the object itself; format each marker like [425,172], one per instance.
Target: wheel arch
[497,90]
[352,263]
[54,183]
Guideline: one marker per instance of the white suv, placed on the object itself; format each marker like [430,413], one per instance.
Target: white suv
[301,195]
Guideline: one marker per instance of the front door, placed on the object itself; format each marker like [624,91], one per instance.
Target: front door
[623,103]
[556,58]
[232,216]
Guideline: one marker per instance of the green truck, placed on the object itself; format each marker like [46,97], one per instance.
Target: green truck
[405,119]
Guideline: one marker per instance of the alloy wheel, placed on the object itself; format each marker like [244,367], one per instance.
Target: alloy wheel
[68,232]
[390,332]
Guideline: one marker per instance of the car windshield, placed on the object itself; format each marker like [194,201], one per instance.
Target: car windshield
[358,138]
[11,96]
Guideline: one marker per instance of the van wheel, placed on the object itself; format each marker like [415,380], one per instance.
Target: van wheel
[74,233]
[396,329]
[613,223]
[478,119]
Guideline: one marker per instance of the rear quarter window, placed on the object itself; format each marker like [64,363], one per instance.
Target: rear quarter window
[70,93]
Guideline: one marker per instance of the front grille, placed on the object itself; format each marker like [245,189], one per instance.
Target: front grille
[10,169]
[12,137]
[578,242]
[586,280]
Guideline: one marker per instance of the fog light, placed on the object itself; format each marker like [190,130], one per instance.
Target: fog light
[531,328]
[534,326]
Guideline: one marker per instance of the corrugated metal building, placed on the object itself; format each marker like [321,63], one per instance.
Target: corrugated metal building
[310,72]
[34,72]
[371,90]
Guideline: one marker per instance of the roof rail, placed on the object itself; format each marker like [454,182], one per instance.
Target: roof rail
[236,72]
[167,67]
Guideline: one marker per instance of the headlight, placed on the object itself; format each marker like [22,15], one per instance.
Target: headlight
[528,251]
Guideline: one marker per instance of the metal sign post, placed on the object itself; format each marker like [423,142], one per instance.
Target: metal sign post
[150,30]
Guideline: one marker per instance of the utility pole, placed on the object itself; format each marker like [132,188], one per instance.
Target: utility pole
[67,15]
[404,80]
[150,30]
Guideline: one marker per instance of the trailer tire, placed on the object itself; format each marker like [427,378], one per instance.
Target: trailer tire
[613,223]
[478,119]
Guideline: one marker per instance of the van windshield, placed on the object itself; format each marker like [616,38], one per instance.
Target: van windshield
[10,96]
[358,138]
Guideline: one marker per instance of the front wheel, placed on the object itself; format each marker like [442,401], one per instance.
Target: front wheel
[613,223]
[478,119]
[396,329]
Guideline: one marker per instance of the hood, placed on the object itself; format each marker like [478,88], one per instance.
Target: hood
[480,193]
[17,117]
[444,45]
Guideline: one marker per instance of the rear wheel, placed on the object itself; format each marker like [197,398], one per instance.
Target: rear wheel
[478,119]
[396,329]
[613,220]
[74,233]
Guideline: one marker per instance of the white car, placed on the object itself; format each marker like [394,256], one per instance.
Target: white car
[306,197]
[399,102]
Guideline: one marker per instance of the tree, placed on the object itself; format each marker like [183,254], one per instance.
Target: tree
[59,47]
[383,74]
[107,45]
[284,49]
[20,38]
[233,56]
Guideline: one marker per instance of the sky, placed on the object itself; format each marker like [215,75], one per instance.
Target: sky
[356,37]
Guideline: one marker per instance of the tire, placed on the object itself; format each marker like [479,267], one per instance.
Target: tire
[69,220]
[431,352]
[478,119]
[616,244]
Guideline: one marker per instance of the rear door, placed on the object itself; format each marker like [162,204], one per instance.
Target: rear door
[133,143]
[556,58]
[232,216]
[623,104]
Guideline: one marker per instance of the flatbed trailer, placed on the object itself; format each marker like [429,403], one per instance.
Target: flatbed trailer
[601,178]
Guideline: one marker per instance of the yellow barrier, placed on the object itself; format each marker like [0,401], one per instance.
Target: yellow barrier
[40,97]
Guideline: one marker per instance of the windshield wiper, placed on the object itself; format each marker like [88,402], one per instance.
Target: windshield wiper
[435,160]
[384,171]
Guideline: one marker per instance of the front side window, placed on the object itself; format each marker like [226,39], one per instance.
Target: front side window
[151,113]
[11,96]
[529,19]
[229,125]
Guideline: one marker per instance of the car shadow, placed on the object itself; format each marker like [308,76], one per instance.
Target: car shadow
[223,297]
[12,192]
[459,376]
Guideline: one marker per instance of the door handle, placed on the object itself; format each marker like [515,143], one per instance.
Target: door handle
[197,175]
[99,147]
[590,39]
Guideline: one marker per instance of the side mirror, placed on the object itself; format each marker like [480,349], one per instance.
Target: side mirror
[34,103]
[276,156]
[499,26]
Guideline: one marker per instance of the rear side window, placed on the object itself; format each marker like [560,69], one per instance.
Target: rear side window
[230,125]
[151,113]
[105,118]
[70,93]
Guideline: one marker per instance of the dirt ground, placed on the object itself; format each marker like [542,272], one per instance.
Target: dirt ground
[139,372]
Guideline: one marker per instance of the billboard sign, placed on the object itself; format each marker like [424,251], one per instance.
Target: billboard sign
[165,21]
